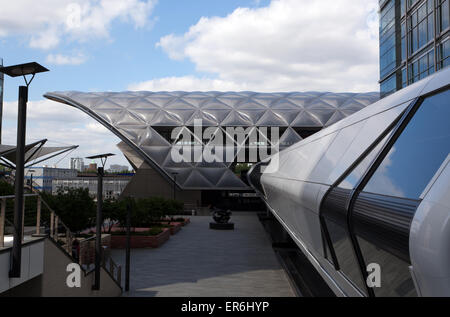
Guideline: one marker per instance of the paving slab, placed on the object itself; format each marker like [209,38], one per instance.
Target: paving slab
[198,261]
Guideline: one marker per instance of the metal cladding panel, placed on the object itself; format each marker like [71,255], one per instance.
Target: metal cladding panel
[300,175]
[136,116]
[430,237]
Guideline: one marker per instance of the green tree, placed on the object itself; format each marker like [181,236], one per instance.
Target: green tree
[6,189]
[74,207]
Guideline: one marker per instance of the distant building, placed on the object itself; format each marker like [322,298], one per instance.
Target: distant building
[77,163]
[43,176]
[414,41]
[116,168]
[113,186]
[91,167]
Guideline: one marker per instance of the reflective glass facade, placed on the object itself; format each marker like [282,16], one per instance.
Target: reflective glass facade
[414,41]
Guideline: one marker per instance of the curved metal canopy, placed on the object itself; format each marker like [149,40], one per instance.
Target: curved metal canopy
[136,118]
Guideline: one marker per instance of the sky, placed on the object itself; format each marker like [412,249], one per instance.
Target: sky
[171,45]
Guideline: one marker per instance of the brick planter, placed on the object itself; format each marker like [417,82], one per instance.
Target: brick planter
[182,223]
[87,248]
[141,242]
[175,227]
[186,221]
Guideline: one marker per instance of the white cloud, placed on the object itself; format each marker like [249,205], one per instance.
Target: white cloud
[45,22]
[290,45]
[59,59]
[62,124]
[44,111]
[187,83]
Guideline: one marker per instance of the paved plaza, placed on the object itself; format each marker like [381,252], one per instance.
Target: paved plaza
[198,261]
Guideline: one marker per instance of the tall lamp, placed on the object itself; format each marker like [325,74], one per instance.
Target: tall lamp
[174,174]
[99,218]
[16,71]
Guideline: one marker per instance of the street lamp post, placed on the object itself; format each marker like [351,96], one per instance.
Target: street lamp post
[174,185]
[128,246]
[15,71]
[99,218]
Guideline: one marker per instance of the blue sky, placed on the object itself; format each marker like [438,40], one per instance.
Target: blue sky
[130,55]
[278,45]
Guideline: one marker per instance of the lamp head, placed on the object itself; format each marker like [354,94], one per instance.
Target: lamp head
[23,69]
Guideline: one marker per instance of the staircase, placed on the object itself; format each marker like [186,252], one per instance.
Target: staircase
[41,221]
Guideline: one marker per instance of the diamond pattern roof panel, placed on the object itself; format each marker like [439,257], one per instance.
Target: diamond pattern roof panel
[131,116]
[289,138]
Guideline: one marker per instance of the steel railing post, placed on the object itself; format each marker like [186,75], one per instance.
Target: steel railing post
[38,215]
[2,223]
[52,223]
[23,218]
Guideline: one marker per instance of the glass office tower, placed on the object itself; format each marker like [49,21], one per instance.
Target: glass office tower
[414,41]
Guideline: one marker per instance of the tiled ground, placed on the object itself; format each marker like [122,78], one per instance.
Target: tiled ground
[198,261]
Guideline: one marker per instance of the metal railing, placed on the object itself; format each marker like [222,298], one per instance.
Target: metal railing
[40,221]
[115,270]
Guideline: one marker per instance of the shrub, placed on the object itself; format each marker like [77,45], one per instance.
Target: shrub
[6,189]
[151,232]
[74,207]
[113,211]
[145,212]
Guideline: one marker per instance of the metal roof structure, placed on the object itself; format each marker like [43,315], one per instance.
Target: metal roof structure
[138,117]
[34,153]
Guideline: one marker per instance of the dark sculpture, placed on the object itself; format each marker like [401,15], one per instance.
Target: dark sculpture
[221,218]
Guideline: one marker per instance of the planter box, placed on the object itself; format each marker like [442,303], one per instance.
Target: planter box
[87,248]
[183,223]
[140,242]
[175,227]
[186,221]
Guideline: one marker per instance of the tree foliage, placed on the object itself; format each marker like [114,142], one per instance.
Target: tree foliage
[75,208]
[144,211]
[6,189]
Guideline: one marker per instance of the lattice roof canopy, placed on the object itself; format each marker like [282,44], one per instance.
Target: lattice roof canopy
[137,118]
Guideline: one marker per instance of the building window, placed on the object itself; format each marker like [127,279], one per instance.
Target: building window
[443,15]
[388,86]
[420,27]
[412,3]
[387,39]
[417,154]
[421,67]
[404,80]
[443,54]
[403,41]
